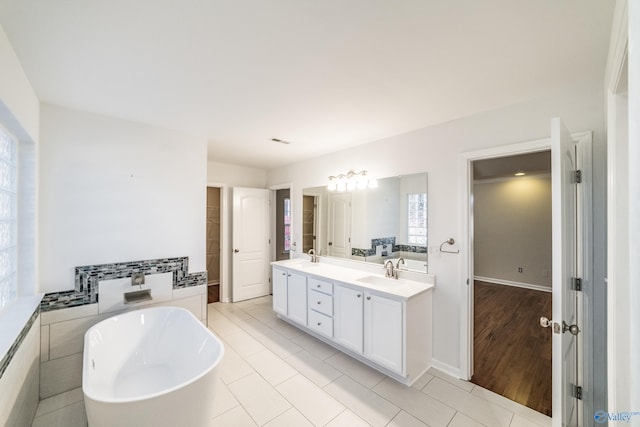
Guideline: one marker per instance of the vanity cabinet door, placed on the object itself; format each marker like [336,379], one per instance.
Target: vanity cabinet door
[383,331]
[347,317]
[279,278]
[297,297]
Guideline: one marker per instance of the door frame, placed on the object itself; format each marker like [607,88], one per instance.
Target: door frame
[467,243]
[225,241]
[273,218]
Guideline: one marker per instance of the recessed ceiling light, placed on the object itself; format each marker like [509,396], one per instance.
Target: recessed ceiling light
[520,174]
[280,141]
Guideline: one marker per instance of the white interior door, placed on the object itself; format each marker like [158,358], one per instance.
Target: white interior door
[339,244]
[566,374]
[250,243]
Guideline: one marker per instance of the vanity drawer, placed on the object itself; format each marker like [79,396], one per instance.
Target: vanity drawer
[320,286]
[321,302]
[320,323]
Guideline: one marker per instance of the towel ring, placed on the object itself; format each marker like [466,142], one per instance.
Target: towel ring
[449,241]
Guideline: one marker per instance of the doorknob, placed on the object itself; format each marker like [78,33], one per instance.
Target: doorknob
[236,250]
[573,329]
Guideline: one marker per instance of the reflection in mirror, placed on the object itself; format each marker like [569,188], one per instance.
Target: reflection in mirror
[371,225]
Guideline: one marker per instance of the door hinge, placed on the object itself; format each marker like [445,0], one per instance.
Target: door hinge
[576,283]
[577,391]
[577,176]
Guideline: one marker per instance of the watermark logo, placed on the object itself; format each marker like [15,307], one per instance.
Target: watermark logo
[602,417]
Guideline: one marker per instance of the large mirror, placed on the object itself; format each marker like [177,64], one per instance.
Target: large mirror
[372,224]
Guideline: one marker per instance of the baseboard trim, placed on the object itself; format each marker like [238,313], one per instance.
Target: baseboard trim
[446,368]
[511,283]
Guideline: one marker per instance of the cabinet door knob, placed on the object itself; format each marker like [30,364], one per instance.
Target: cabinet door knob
[318,302]
[317,286]
[368,298]
[319,323]
[284,274]
[289,275]
[359,295]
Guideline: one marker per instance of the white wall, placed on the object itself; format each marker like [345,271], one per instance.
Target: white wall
[113,191]
[437,150]
[512,229]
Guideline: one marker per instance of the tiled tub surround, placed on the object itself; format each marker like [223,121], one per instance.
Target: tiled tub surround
[66,316]
[88,276]
[19,394]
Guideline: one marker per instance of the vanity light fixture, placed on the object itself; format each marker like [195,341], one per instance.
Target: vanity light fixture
[351,181]
[520,174]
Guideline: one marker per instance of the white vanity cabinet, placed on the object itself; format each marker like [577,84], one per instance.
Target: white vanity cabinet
[370,324]
[320,306]
[290,294]
[384,324]
[384,331]
[348,319]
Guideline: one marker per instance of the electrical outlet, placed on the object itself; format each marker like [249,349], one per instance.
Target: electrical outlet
[519,269]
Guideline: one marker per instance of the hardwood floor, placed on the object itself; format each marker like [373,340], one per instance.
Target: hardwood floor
[512,353]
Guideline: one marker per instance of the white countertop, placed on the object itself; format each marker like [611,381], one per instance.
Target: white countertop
[402,287]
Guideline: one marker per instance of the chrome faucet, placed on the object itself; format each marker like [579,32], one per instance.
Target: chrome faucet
[400,260]
[312,254]
[388,265]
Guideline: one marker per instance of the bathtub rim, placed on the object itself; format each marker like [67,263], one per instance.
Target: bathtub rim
[149,396]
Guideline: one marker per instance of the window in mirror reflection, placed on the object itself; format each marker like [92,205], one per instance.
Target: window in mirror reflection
[417,218]
[287,224]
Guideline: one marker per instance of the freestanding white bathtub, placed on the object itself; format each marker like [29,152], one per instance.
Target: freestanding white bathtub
[150,367]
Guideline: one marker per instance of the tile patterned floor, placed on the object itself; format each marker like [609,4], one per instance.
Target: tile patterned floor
[275,375]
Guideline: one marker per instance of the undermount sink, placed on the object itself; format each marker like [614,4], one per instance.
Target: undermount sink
[381,281]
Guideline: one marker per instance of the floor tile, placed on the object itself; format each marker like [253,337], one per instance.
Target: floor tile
[285,329]
[291,418]
[357,370]
[233,367]
[224,400]
[254,327]
[465,385]
[422,381]
[259,398]
[73,415]
[314,346]
[347,418]
[469,404]
[368,405]
[244,344]
[531,415]
[316,370]
[313,402]
[461,420]
[236,417]
[404,419]
[59,401]
[279,344]
[271,367]
[427,409]
[520,421]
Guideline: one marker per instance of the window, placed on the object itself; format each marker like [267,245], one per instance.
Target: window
[417,219]
[8,218]
[287,224]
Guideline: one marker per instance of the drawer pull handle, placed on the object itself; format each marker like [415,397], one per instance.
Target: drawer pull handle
[317,286]
[319,323]
[318,302]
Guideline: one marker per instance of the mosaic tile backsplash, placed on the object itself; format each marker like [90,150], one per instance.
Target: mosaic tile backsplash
[88,276]
[387,241]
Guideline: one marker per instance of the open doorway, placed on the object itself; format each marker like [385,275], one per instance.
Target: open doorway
[213,240]
[283,224]
[512,277]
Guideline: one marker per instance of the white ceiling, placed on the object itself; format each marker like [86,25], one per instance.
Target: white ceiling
[322,74]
